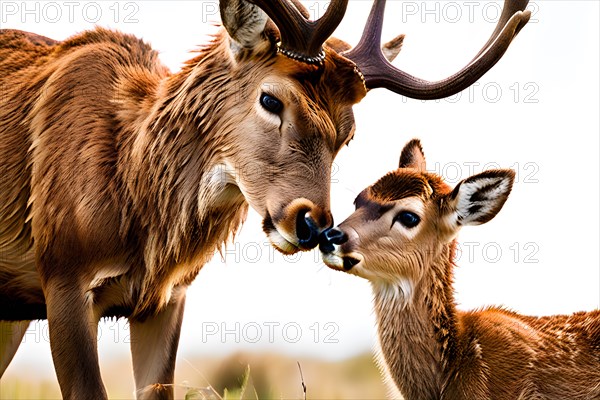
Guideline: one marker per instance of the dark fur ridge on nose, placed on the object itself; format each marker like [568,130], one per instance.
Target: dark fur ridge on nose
[330,237]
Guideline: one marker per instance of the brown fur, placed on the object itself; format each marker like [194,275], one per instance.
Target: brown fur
[430,349]
[119,180]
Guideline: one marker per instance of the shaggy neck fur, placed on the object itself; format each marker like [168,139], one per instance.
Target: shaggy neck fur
[417,330]
[180,140]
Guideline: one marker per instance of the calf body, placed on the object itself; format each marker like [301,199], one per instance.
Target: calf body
[402,239]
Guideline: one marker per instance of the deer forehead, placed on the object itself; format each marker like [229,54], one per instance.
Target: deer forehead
[372,209]
[337,78]
[404,183]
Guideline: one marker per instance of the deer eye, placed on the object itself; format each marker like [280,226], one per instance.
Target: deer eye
[408,219]
[270,103]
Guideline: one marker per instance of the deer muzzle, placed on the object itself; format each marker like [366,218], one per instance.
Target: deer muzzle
[298,226]
[331,243]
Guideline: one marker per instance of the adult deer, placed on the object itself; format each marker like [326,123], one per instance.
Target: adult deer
[119,180]
[402,239]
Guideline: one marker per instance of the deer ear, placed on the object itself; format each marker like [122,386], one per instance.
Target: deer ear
[391,49]
[412,156]
[245,22]
[338,45]
[478,199]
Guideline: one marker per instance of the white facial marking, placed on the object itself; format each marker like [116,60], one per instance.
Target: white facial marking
[279,241]
[333,260]
[269,117]
[411,204]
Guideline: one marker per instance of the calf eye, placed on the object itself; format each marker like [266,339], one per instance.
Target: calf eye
[408,219]
[270,103]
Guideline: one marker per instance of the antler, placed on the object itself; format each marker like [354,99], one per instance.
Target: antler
[302,39]
[379,73]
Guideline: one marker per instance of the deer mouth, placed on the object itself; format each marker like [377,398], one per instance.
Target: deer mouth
[339,262]
[333,261]
[277,238]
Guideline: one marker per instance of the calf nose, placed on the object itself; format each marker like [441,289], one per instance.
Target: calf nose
[335,236]
[329,238]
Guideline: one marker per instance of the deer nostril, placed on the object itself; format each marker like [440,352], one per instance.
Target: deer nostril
[331,236]
[335,236]
[306,231]
[302,227]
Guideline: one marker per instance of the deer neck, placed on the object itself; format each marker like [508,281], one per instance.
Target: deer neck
[171,149]
[417,329]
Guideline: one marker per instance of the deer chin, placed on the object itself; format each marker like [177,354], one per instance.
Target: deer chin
[277,238]
[341,262]
[333,261]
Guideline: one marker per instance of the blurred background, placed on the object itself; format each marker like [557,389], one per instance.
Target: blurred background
[536,111]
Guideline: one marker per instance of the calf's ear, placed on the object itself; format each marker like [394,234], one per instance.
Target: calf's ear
[476,200]
[412,156]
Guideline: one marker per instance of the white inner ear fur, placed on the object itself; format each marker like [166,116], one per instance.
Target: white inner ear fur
[250,33]
[468,211]
[246,25]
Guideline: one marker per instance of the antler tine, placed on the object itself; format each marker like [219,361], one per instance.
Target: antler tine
[329,21]
[368,48]
[510,8]
[301,38]
[379,73]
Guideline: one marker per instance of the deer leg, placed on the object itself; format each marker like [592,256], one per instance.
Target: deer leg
[11,334]
[154,348]
[73,330]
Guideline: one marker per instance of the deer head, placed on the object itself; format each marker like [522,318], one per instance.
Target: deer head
[404,221]
[295,114]
[302,86]
[402,239]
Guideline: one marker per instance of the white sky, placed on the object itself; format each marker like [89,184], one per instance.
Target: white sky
[536,111]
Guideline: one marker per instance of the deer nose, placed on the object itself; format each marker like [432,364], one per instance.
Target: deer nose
[335,236]
[307,231]
[329,238]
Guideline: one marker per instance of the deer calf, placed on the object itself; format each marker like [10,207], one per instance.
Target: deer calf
[402,238]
